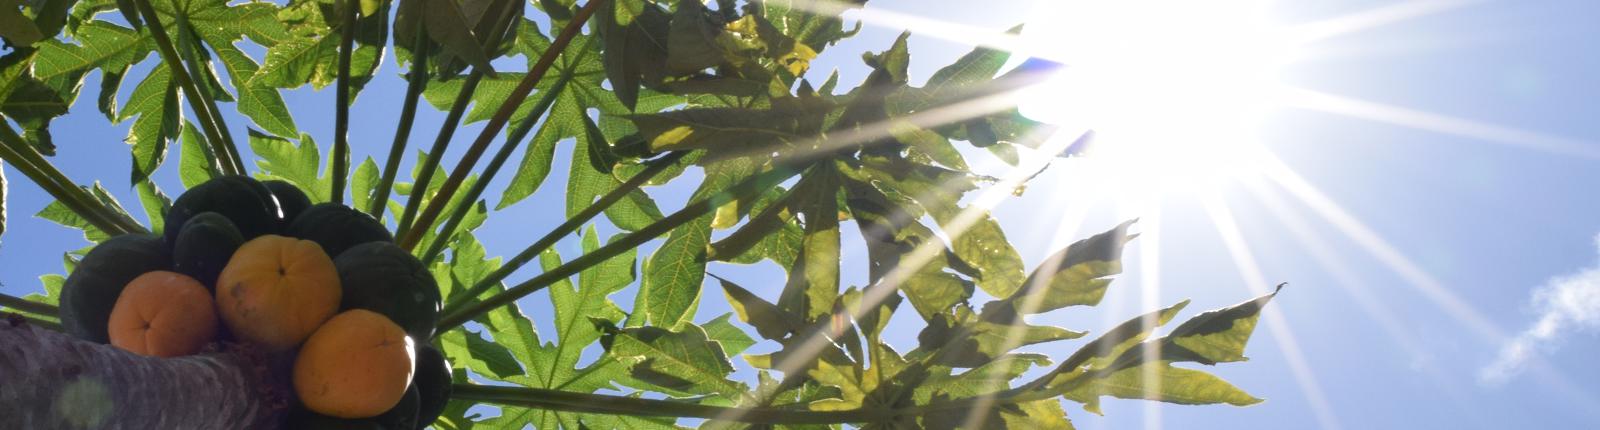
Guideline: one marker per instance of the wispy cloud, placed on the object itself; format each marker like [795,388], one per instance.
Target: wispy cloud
[1565,304]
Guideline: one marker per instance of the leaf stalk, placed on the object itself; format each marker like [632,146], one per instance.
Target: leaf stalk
[497,123]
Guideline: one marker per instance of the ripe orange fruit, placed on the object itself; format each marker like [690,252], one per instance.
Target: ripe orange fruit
[163,314]
[357,365]
[277,290]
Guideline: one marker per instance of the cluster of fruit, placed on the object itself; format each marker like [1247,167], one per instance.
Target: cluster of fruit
[256,262]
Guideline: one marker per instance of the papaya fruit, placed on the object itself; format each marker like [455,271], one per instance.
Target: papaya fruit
[242,199]
[163,314]
[291,201]
[204,246]
[337,227]
[403,416]
[276,291]
[432,381]
[91,291]
[357,365]
[383,278]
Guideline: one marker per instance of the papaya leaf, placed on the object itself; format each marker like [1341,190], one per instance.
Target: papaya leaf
[449,26]
[722,331]
[673,274]
[52,290]
[2,201]
[685,359]
[59,213]
[692,40]
[102,45]
[814,278]
[1217,336]
[298,164]
[155,102]
[965,339]
[769,321]
[1038,414]
[771,233]
[1077,275]
[196,163]
[155,204]
[262,104]
[1159,381]
[362,182]
[15,27]
[634,35]
[988,378]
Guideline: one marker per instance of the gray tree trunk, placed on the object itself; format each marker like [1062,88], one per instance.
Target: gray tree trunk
[49,380]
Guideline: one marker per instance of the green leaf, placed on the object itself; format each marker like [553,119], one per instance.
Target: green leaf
[575,306]
[814,279]
[155,204]
[635,46]
[692,40]
[732,339]
[722,128]
[1160,381]
[965,339]
[59,213]
[310,59]
[1039,414]
[673,274]
[155,102]
[297,164]
[770,321]
[16,28]
[683,360]
[261,103]
[479,355]
[1077,275]
[102,45]
[1217,336]
[988,378]
[52,290]
[449,26]
[1099,353]
[2,201]
[487,97]
[362,182]
[196,163]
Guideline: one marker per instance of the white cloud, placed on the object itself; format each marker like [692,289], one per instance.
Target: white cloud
[1565,304]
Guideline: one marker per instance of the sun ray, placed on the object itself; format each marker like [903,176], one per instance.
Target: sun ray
[1414,275]
[1336,265]
[1376,17]
[1514,137]
[1330,211]
[1277,324]
[1150,298]
[815,342]
[1345,277]
[1065,231]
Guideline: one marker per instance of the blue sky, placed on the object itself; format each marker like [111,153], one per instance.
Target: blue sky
[1480,209]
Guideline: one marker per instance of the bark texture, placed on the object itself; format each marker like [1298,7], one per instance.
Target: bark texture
[49,380]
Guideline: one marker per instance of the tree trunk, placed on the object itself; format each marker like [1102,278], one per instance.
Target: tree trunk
[49,380]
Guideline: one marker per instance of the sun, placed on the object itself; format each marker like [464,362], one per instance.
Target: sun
[1172,91]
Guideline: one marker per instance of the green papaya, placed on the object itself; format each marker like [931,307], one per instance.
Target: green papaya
[383,278]
[204,246]
[432,381]
[337,228]
[92,289]
[403,416]
[291,200]
[245,201]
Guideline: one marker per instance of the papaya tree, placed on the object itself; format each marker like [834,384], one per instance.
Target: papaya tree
[719,97]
